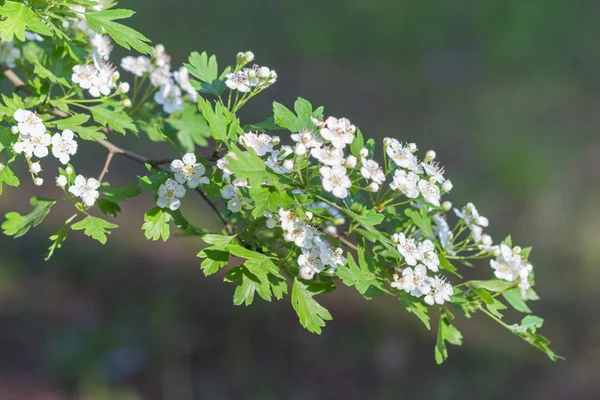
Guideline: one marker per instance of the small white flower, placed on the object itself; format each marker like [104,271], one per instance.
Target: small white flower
[187,170]
[447,185]
[434,170]
[169,95]
[182,77]
[430,191]
[161,76]
[35,168]
[64,146]
[406,183]
[9,53]
[278,163]
[414,281]
[86,189]
[311,258]
[429,156]
[97,78]
[28,124]
[304,141]
[402,156]
[123,87]
[169,194]
[61,181]
[431,260]
[306,273]
[261,143]
[328,155]
[238,81]
[338,132]
[371,170]
[443,232]
[299,233]
[439,291]
[351,162]
[38,181]
[331,256]
[161,58]
[287,219]
[336,181]
[409,249]
[35,145]
[136,65]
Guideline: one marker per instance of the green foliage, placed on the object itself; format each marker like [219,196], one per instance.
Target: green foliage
[421,220]
[116,119]
[17,17]
[362,277]
[300,121]
[17,225]
[104,22]
[57,241]
[94,227]
[446,333]
[8,177]
[156,224]
[312,315]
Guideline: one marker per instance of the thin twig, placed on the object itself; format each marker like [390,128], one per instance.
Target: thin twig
[109,158]
[341,239]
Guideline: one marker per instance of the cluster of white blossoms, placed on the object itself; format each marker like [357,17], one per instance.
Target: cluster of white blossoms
[414,178]
[9,54]
[317,254]
[510,266]
[421,256]
[171,85]
[248,79]
[34,140]
[187,172]
[475,222]
[99,77]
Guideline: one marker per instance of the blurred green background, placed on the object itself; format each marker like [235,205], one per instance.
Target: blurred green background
[506,92]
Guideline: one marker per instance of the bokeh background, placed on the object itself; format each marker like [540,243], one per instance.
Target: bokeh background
[506,92]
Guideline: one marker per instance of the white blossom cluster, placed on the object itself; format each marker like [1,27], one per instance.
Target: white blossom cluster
[86,189]
[9,54]
[171,85]
[317,254]
[186,172]
[475,222]
[510,266]
[248,79]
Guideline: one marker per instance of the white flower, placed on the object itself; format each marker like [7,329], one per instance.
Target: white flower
[338,131]
[35,145]
[335,180]
[509,265]
[222,162]
[261,143]
[28,124]
[287,219]
[406,183]
[38,181]
[311,258]
[64,146]
[187,170]
[169,95]
[97,78]
[277,162]
[160,76]
[331,256]
[430,191]
[402,156]
[238,81]
[299,233]
[439,291]
[443,232]
[86,189]
[136,65]
[304,141]
[414,281]
[61,181]
[409,249]
[434,170]
[161,58]
[9,53]
[35,168]
[430,259]
[351,162]
[102,45]
[371,170]
[182,78]
[471,216]
[328,155]
[306,273]
[169,194]
[447,185]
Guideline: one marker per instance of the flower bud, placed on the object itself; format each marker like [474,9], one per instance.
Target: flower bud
[126,103]
[486,240]
[309,215]
[61,181]
[447,185]
[14,129]
[263,72]
[275,140]
[300,149]
[352,129]
[429,156]
[271,223]
[373,187]
[38,181]
[447,205]
[123,87]
[339,221]
[412,147]
[306,273]
[288,164]
[350,162]
[35,168]
[240,58]
[516,250]
[395,238]
[363,152]
[248,56]
[387,141]
[69,170]
[251,74]
[432,180]
[115,76]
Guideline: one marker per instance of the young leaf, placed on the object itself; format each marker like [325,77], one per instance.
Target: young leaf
[8,177]
[156,225]
[94,227]
[120,194]
[17,16]
[117,120]
[513,296]
[365,281]
[103,22]
[415,306]
[17,225]
[57,240]
[446,333]
[202,67]
[312,315]
[421,220]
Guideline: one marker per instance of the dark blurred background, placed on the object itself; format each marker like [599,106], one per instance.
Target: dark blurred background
[506,92]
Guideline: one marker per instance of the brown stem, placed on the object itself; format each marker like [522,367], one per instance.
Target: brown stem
[109,158]
[342,239]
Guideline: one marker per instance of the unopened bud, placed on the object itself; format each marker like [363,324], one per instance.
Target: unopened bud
[126,103]
[275,140]
[123,87]
[486,240]
[373,187]
[429,156]
[447,185]
[306,273]
[363,152]
[249,56]
[516,250]
[352,129]
[38,181]
[447,205]
[14,129]
[350,162]
[69,170]
[309,215]
[412,147]
[395,238]
[300,149]
[288,164]
[35,168]
[240,58]
[61,181]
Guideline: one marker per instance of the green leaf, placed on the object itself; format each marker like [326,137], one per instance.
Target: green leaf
[108,207]
[300,121]
[527,331]
[156,225]
[266,125]
[214,260]
[311,314]
[8,177]
[244,293]
[94,227]
[103,22]
[192,129]
[120,194]
[57,240]
[513,296]
[17,16]
[116,119]
[217,118]
[44,73]
[269,199]
[218,240]
[365,281]
[445,264]
[17,225]
[493,285]
[415,306]
[284,117]
[203,67]
[421,220]
[446,333]
[357,144]
[75,123]
[249,166]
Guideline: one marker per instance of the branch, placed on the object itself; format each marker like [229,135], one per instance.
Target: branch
[341,239]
